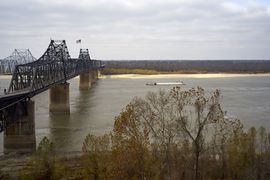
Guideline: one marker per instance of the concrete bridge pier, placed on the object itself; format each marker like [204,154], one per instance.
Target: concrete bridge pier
[20,137]
[85,81]
[98,73]
[93,77]
[59,98]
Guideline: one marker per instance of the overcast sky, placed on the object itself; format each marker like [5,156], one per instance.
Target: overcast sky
[140,29]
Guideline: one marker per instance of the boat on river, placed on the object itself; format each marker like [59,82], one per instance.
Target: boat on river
[165,83]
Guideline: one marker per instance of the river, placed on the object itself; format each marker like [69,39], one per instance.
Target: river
[246,97]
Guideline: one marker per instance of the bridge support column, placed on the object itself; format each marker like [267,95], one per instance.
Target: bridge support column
[92,76]
[98,73]
[59,98]
[20,137]
[85,81]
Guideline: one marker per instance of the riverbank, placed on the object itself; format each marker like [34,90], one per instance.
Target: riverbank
[16,166]
[118,71]
[157,76]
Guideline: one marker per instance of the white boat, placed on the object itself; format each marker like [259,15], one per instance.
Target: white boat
[151,84]
[165,83]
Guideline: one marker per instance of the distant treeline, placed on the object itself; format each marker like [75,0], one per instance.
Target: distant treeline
[193,66]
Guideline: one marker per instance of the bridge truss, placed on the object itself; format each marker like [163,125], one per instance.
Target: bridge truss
[55,66]
[18,56]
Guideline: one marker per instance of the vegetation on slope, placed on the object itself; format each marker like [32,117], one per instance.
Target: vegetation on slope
[181,134]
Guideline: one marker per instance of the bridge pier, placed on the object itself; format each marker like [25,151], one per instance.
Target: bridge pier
[85,81]
[20,137]
[94,75]
[59,98]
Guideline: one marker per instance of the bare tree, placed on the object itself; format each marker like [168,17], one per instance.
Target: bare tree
[157,113]
[195,112]
[178,115]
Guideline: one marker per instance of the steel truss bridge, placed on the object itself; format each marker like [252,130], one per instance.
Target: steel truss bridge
[54,67]
[19,56]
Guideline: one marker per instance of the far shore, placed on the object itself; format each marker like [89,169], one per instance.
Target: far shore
[204,75]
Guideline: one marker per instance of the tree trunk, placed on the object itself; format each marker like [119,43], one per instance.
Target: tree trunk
[197,163]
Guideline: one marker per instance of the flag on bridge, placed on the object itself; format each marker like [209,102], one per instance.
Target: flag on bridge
[78,41]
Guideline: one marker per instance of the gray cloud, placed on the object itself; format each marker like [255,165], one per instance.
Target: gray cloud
[141,29]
